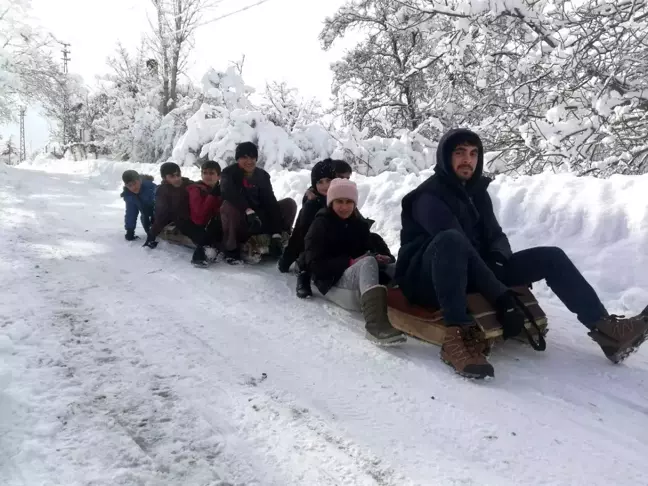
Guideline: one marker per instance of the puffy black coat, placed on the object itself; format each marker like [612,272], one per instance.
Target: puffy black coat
[255,193]
[306,216]
[331,243]
[449,204]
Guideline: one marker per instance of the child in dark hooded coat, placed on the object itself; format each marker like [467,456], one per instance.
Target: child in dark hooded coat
[321,176]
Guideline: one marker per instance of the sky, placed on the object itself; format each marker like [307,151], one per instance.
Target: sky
[278,38]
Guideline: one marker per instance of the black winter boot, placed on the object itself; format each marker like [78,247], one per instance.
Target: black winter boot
[233,257]
[509,315]
[304,285]
[199,259]
[379,329]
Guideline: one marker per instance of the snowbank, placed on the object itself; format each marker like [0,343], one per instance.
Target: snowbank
[227,117]
[578,214]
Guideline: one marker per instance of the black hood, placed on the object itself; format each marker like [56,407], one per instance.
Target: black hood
[444,155]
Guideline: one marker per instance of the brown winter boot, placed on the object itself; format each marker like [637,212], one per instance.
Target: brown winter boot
[379,329]
[462,352]
[481,345]
[619,337]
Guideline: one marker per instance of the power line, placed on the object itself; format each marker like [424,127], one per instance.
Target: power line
[260,2]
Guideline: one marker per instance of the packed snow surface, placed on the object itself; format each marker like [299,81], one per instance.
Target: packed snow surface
[125,366]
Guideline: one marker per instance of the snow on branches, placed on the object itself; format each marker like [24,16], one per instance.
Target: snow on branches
[550,84]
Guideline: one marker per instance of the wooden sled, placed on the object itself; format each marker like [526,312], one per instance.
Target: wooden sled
[428,324]
[253,249]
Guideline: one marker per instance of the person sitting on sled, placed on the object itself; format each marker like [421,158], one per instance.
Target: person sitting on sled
[346,268]
[250,206]
[204,208]
[452,243]
[321,176]
[172,206]
[139,196]
[341,170]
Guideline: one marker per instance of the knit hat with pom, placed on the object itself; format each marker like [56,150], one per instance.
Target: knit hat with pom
[342,189]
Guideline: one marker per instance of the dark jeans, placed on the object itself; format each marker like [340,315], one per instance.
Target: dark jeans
[209,235]
[235,224]
[456,268]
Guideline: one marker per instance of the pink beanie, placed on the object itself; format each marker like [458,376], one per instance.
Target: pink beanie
[342,189]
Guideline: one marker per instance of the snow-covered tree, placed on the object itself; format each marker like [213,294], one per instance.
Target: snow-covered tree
[285,108]
[130,95]
[9,151]
[550,84]
[25,61]
[376,84]
[63,99]
[173,31]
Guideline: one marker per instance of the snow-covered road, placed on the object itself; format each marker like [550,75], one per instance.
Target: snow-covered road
[124,366]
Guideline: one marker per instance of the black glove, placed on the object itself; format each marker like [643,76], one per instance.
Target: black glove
[254,223]
[509,315]
[150,243]
[282,266]
[130,235]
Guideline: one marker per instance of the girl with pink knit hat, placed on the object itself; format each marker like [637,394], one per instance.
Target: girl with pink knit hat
[345,261]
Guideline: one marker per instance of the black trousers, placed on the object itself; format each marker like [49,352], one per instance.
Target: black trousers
[454,268]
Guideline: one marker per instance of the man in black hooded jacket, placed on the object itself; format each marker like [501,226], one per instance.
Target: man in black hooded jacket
[451,244]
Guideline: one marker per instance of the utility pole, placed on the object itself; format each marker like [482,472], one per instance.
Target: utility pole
[66,59]
[22,156]
[66,100]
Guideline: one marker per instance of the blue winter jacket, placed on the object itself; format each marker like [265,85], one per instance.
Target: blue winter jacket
[142,203]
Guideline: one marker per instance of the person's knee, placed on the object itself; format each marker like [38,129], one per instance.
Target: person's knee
[449,240]
[554,256]
[289,203]
[369,262]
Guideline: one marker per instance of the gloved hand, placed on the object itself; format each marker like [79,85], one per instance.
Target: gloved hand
[281,265]
[509,315]
[130,235]
[254,223]
[150,243]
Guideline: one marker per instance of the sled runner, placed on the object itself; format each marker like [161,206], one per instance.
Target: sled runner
[253,249]
[427,324]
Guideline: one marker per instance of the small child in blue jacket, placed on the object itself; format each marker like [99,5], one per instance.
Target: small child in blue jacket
[139,196]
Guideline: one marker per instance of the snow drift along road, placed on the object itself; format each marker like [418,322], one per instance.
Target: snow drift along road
[120,365]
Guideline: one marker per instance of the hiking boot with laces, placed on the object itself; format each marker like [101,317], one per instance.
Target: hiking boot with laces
[461,351]
[619,336]
[477,340]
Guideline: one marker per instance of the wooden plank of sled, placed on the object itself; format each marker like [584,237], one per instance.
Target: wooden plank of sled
[171,234]
[422,323]
[428,324]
